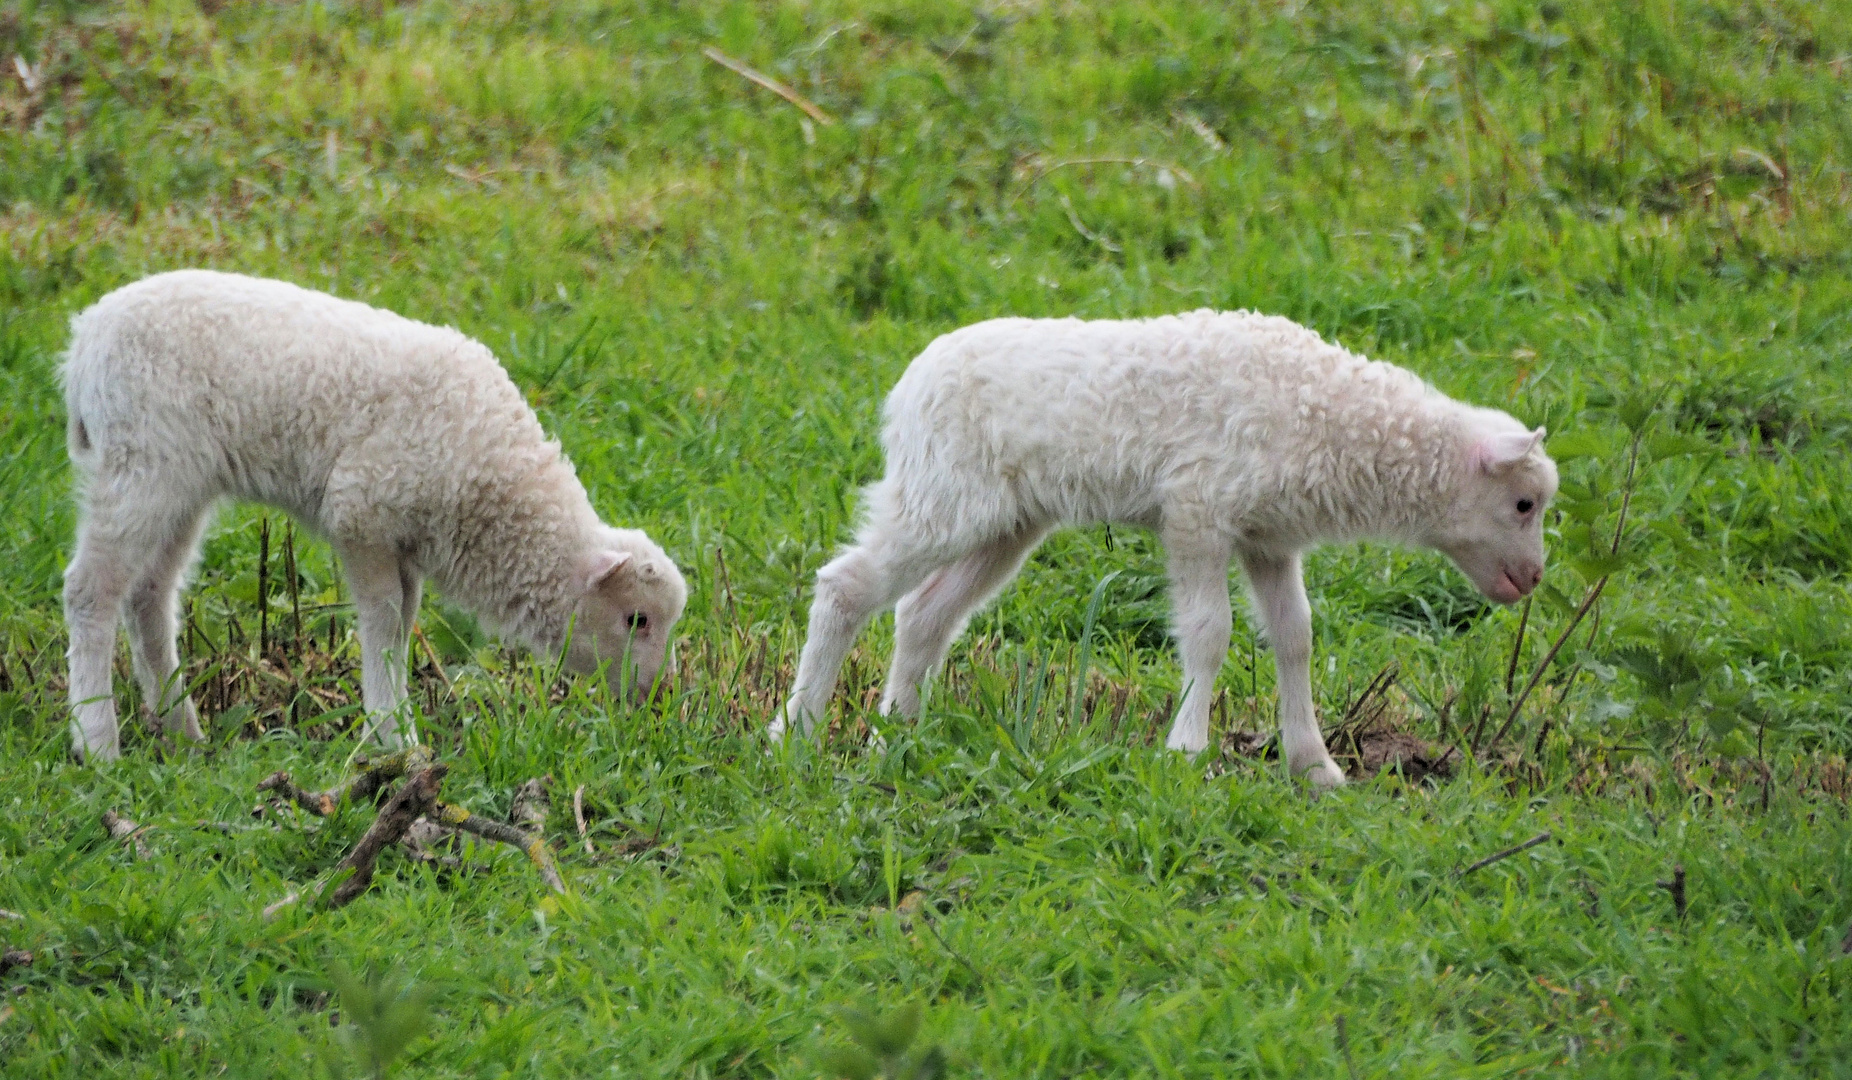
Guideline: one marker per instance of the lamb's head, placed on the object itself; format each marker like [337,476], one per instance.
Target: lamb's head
[1492,524]
[633,596]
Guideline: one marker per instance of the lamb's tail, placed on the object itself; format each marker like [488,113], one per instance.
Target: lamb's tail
[89,349]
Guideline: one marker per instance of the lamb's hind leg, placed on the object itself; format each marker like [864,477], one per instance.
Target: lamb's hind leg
[115,543]
[928,619]
[850,590]
[1279,594]
[380,596]
[152,621]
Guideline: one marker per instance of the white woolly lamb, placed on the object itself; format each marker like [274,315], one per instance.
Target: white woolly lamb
[405,445]
[1233,435]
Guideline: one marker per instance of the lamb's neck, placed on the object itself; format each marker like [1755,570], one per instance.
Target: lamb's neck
[520,571]
[1394,484]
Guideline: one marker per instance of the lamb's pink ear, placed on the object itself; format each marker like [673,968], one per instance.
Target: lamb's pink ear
[1496,453]
[603,565]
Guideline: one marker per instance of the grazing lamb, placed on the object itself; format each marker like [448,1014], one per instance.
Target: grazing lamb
[1233,435]
[405,445]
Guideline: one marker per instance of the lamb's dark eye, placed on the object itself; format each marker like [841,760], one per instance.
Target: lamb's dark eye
[1525,506]
[639,621]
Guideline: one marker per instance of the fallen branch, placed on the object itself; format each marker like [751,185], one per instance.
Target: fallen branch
[534,847]
[413,817]
[375,774]
[410,802]
[750,75]
[13,958]
[1542,837]
[126,830]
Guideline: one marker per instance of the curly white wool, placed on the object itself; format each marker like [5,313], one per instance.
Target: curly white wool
[405,445]
[1235,435]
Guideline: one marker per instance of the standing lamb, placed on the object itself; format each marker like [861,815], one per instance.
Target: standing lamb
[1233,435]
[405,445]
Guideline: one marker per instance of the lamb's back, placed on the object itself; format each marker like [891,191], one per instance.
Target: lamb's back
[274,388]
[1017,390]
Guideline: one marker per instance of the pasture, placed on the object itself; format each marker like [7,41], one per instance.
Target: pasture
[1626,222]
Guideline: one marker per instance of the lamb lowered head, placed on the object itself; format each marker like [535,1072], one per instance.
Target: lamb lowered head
[1492,524]
[633,596]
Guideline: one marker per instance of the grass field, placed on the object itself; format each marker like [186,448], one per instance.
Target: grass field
[1628,222]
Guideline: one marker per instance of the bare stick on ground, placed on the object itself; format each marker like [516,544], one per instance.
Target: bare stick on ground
[750,75]
[270,911]
[1540,838]
[375,774]
[13,958]
[534,847]
[413,800]
[126,830]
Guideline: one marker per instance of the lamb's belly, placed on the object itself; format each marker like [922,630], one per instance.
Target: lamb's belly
[1070,496]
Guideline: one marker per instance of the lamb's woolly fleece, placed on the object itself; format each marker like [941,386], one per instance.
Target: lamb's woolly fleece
[1248,424]
[370,428]
[1236,435]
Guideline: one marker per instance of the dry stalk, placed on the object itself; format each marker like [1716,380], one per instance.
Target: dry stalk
[1540,838]
[578,818]
[751,75]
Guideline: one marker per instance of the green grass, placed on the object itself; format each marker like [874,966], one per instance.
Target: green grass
[1626,221]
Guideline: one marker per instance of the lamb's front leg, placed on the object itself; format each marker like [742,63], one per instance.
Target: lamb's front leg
[1279,594]
[1199,610]
[380,595]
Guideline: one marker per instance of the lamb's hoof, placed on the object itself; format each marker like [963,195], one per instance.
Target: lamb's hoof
[1187,747]
[100,754]
[1325,775]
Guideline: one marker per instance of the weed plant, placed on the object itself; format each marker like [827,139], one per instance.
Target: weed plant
[1627,222]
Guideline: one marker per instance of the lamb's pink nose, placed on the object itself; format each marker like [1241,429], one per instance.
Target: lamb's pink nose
[1536,577]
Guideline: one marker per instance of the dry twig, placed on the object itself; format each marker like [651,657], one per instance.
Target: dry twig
[13,958]
[415,798]
[126,830]
[751,75]
[1540,838]
[270,911]
[534,847]
[374,775]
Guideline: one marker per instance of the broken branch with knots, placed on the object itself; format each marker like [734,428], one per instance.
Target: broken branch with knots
[407,817]
[375,774]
